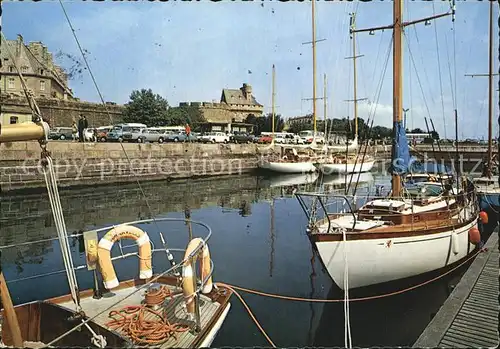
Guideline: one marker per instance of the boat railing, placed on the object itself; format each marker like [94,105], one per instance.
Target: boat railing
[191,258]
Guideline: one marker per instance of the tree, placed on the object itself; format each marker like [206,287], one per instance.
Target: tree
[435,135]
[184,114]
[146,107]
[264,123]
[417,130]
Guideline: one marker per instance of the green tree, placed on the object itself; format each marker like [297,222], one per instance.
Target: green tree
[146,107]
[184,114]
[264,123]
[435,135]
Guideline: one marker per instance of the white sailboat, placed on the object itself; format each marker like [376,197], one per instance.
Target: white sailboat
[290,160]
[405,234]
[337,162]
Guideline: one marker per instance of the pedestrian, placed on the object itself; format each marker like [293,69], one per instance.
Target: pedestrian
[74,131]
[81,126]
[188,132]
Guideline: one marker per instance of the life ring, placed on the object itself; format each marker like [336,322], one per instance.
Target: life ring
[104,253]
[188,286]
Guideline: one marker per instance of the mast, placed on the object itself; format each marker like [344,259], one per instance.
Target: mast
[397,85]
[355,79]
[314,66]
[325,104]
[490,95]
[272,98]
[397,70]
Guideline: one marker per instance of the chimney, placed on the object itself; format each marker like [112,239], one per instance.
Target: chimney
[247,91]
[19,44]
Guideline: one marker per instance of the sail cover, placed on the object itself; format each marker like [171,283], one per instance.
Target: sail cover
[401,159]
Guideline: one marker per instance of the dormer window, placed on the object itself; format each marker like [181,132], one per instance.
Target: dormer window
[11,69]
[42,71]
[24,69]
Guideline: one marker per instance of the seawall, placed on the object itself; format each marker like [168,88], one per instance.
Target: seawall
[81,164]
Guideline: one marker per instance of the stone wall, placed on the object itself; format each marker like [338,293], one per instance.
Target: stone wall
[63,112]
[104,163]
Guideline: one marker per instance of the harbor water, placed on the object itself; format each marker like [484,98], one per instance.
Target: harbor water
[258,241]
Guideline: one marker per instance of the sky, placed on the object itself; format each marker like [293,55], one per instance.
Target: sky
[190,51]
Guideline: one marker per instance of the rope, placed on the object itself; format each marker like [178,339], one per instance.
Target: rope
[347,322]
[439,71]
[55,203]
[359,299]
[134,322]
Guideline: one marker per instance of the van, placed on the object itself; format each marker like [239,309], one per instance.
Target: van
[122,132]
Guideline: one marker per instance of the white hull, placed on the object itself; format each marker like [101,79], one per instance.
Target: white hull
[329,168]
[371,261]
[290,167]
[207,342]
[292,179]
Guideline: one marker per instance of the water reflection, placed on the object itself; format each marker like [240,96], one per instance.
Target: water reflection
[258,241]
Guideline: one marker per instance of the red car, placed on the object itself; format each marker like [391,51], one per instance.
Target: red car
[265,139]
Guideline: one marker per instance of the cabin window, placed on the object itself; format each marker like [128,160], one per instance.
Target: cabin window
[14,120]
[416,218]
[42,85]
[12,83]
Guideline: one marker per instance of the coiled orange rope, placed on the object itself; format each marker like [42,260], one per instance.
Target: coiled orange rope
[132,320]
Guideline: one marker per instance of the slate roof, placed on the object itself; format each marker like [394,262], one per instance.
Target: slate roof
[231,96]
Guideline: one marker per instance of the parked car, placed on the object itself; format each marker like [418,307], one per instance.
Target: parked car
[89,135]
[180,137]
[118,132]
[215,137]
[133,134]
[241,138]
[61,133]
[265,139]
[102,133]
[149,135]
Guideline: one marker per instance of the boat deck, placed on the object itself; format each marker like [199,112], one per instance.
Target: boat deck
[469,317]
[175,310]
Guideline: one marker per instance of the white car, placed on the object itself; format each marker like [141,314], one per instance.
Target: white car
[215,137]
[88,135]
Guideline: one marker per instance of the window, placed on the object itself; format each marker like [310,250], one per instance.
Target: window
[41,71]
[11,69]
[12,83]
[24,69]
[14,120]
[42,85]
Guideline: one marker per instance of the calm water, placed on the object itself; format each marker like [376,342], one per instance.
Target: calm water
[258,242]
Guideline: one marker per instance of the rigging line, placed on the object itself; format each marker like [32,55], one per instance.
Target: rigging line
[439,71]
[418,79]
[422,61]
[454,64]
[109,115]
[376,60]
[410,88]
[450,75]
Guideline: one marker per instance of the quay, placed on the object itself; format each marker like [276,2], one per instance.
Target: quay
[469,317]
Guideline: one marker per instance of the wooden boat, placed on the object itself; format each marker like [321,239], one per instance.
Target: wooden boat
[167,309]
[402,235]
[489,189]
[291,161]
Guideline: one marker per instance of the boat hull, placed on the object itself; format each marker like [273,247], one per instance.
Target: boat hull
[289,167]
[488,201]
[375,261]
[345,169]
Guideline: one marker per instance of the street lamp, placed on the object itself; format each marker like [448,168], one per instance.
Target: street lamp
[404,116]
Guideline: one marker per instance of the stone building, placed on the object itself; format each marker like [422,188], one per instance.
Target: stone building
[231,112]
[41,75]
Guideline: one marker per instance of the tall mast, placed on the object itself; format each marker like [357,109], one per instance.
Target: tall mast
[397,70]
[324,104]
[272,102]
[314,65]
[397,84]
[490,92]
[355,79]
[490,95]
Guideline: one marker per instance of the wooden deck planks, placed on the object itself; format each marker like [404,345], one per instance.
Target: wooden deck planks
[469,317]
[175,310]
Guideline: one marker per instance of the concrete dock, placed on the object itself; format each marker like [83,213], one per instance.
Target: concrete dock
[469,317]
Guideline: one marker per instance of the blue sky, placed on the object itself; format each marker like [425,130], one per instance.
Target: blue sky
[189,51]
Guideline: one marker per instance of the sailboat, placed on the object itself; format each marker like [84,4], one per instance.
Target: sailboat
[290,159]
[404,234]
[339,161]
[175,307]
[487,187]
